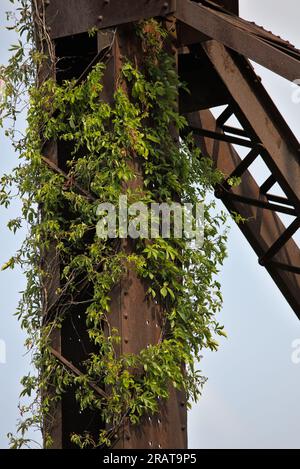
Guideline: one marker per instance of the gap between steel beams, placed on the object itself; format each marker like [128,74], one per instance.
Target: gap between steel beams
[284,238]
[263,227]
[77,372]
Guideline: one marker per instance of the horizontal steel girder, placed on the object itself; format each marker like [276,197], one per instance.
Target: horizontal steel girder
[69,17]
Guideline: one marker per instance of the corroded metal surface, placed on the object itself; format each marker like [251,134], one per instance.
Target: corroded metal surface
[68,17]
[242,36]
[140,318]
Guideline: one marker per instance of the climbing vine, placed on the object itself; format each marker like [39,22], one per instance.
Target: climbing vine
[105,141]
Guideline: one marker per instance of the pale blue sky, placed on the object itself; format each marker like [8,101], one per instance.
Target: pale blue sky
[252,397]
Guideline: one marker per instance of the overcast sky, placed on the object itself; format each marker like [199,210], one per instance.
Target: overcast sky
[251,399]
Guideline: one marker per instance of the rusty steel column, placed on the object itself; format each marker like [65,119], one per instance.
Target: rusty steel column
[138,319]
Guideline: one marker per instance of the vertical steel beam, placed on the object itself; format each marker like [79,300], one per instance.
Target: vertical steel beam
[51,267]
[139,319]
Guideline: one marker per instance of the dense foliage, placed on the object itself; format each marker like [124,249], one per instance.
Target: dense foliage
[105,141]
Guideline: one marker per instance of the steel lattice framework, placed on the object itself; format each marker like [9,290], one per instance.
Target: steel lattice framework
[214,46]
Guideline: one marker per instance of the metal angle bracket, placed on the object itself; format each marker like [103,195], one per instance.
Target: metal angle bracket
[68,17]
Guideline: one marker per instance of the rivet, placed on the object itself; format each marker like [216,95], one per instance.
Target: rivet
[126,341]
[106,2]
[100,18]
[47,3]
[183,429]
[182,404]
[48,29]
[125,316]
[165,5]
[127,437]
